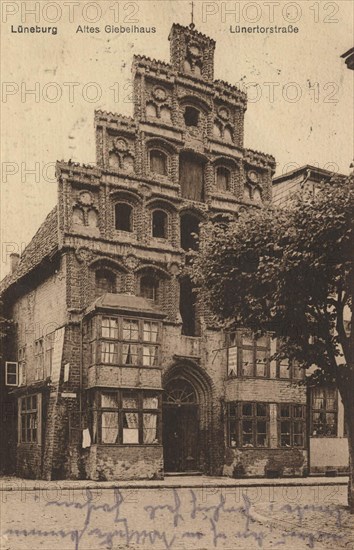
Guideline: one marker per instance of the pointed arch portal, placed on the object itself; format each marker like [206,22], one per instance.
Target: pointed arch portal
[186,419]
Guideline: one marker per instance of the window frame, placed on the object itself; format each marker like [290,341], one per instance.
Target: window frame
[229,178]
[324,410]
[28,413]
[254,348]
[120,410]
[39,358]
[162,154]
[22,361]
[165,224]
[238,418]
[131,216]
[155,288]
[292,419]
[117,342]
[8,374]
[111,278]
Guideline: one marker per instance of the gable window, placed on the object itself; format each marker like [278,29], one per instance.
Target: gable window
[158,162]
[189,232]
[149,287]
[11,373]
[159,224]
[223,178]
[191,176]
[105,281]
[128,417]
[191,116]
[29,410]
[123,217]
[187,307]
[324,412]
[248,424]
[291,425]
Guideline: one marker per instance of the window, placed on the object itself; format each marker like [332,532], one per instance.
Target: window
[158,162]
[39,359]
[149,287]
[122,341]
[324,412]
[189,232]
[105,281]
[124,217]
[187,307]
[29,409]
[11,373]
[191,176]
[22,366]
[223,178]
[248,424]
[49,350]
[159,224]
[289,372]
[252,355]
[291,425]
[128,417]
[191,116]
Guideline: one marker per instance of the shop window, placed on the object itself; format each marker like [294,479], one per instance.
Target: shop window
[128,418]
[324,412]
[149,287]
[223,178]
[191,116]
[291,425]
[123,216]
[29,408]
[248,424]
[189,232]
[191,176]
[158,162]
[105,281]
[159,224]
[190,325]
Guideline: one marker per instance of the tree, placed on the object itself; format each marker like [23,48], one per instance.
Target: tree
[290,272]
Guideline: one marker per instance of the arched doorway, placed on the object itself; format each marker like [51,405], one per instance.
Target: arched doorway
[180,426]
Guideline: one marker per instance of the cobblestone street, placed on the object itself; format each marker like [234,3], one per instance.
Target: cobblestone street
[200,516]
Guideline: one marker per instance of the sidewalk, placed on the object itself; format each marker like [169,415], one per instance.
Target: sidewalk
[8,483]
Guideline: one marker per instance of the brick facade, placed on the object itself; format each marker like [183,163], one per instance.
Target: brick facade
[105,397]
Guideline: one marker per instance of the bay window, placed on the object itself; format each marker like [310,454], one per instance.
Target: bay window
[124,341]
[291,425]
[248,424]
[126,417]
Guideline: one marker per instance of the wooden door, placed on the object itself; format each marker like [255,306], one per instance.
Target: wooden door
[180,438]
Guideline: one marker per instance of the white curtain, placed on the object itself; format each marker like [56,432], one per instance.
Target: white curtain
[149,425]
[109,427]
[131,428]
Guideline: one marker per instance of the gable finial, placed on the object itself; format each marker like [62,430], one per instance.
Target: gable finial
[192,25]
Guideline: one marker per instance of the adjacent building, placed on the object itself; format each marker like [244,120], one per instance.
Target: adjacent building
[114,369]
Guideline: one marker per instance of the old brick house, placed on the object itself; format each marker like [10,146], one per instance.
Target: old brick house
[115,369]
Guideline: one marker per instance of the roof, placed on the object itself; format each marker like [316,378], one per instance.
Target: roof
[127,303]
[349,58]
[314,171]
[43,244]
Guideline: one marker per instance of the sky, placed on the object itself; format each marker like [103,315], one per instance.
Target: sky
[299,89]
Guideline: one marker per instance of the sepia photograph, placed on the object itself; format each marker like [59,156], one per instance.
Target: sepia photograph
[177,275]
